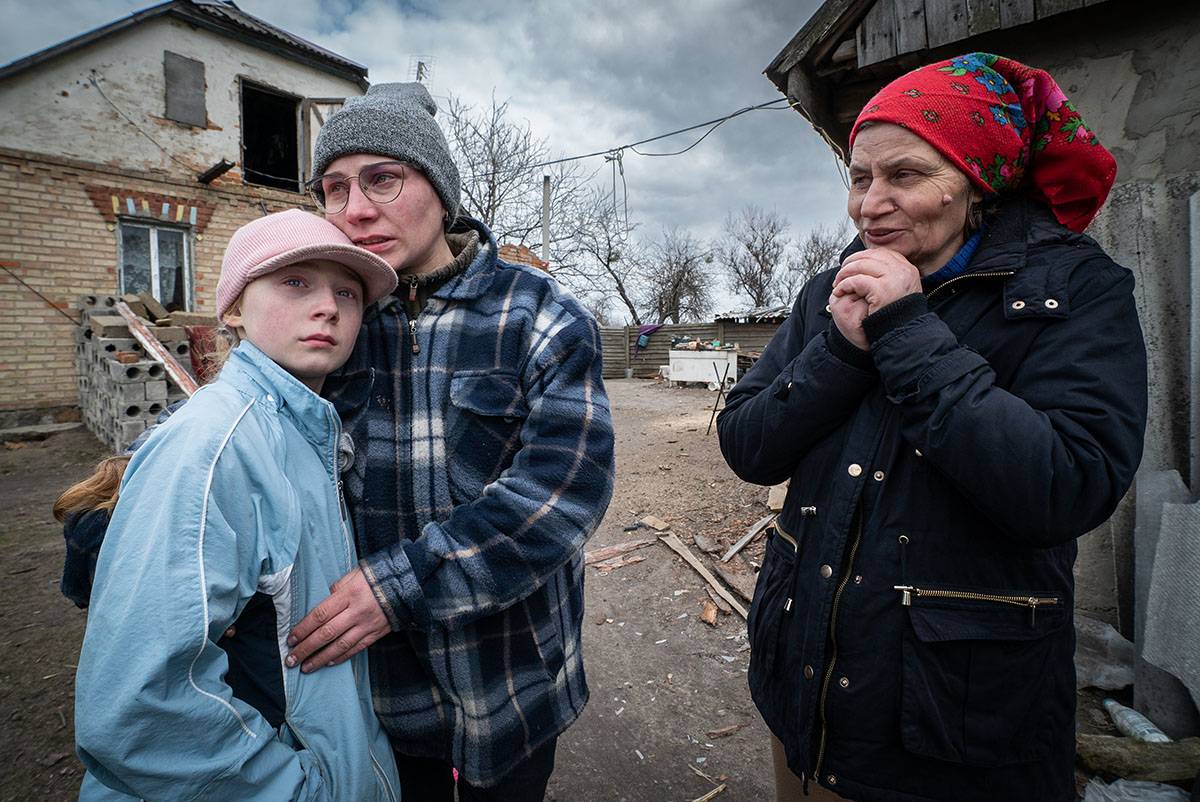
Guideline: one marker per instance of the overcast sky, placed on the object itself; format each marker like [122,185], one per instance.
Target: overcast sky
[586,76]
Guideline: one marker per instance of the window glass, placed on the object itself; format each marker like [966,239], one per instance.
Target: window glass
[135,259]
[172,279]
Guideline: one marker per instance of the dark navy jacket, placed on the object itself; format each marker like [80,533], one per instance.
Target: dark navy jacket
[993,421]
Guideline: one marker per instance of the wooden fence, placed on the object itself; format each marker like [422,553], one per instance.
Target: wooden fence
[620,351]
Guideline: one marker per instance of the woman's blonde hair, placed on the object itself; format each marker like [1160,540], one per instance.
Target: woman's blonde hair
[97,492]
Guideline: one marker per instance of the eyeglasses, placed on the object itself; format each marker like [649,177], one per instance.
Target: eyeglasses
[380,183]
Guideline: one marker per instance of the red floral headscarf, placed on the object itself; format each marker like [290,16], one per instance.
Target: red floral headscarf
[1007,126]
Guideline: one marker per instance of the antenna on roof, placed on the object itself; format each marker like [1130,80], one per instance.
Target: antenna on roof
[420,68]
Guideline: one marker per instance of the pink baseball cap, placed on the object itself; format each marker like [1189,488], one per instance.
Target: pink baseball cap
[284,238]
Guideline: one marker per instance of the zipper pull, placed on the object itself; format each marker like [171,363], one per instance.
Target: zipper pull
[412,289]
[412,332]
[1033,605]
[808,512]
[906,592]
[787,605]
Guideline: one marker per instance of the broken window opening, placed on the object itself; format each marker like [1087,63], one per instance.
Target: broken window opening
[158,260]
[270,141]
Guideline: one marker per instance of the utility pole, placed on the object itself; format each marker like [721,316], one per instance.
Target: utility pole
[546,219]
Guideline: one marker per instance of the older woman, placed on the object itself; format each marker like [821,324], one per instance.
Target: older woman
[954,406]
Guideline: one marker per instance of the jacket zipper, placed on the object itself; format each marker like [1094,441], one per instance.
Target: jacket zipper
[379,775]
[940,287]
[837,597]
[907,592]
[337,478]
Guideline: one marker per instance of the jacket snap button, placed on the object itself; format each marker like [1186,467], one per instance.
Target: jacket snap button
[855,469]
[858,579]
[844,682]
[827,309]
[1018,305]
[917,451]
[789,385]
[826,571]
[831,780]
[879,476]
[808,672]
[1051,303]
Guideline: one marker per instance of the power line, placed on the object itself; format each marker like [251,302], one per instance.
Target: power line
[712,125]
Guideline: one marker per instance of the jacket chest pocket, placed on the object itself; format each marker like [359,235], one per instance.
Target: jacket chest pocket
[483,428]
[986,682]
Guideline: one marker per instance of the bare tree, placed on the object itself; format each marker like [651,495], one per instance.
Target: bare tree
[811,255]
[500,162]
[753,252]
[678,281]
[605,258]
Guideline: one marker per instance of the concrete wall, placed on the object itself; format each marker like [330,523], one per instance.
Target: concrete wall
[54,109]
[1123,67]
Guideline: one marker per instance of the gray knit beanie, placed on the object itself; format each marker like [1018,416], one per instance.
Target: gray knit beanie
[392,120]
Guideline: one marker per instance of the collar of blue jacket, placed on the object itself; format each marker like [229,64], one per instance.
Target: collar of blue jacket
[256,374]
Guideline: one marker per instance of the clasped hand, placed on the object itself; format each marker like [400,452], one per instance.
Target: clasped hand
[868,281]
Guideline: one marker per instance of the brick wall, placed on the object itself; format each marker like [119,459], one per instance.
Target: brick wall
[58,234]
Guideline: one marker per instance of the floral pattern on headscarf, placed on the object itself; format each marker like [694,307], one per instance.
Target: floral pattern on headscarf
[1007,126]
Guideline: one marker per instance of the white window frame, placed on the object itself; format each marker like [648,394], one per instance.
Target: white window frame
[188,269]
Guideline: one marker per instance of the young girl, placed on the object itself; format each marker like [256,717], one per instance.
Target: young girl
[232,511]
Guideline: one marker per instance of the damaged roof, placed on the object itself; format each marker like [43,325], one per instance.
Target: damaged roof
[219,16]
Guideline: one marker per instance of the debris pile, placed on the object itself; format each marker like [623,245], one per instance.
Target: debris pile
[131,368]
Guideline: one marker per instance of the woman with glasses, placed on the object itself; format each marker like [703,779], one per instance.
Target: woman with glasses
[484,460]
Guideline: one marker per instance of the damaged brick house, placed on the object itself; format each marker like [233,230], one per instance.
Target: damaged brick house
[128,155]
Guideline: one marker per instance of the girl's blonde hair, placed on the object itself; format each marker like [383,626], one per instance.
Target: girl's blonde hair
[97,492]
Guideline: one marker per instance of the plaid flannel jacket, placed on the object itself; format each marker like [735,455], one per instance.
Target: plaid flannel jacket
[484,461]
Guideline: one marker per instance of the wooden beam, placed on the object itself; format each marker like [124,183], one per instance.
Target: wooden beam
[1048,8]
[1015,12]
[846,51]
[155,350]
[945,21]
[676,545]
[877,34]
[982,16]
[910,26]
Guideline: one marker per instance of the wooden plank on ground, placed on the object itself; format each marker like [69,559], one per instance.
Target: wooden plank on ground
[156,351]
[910,26]
[945,21]
[759,525]
[982,16]
[608,552]
[1015,12]
[676,545]
[877,34]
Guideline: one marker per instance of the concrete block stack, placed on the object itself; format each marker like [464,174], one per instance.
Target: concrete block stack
[122,390]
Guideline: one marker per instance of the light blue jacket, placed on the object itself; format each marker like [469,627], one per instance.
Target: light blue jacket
[237,493]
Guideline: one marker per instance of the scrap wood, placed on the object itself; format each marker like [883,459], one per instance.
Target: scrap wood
[608,552]
[620,561]
[759,525]
[709,614]
[1138,760]
[739,580]
[657,524]
[717,600]
[725,732]
[677,546]
[156,351]
[713,794]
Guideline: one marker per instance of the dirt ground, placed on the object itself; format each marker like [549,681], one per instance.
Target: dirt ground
[660,678]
